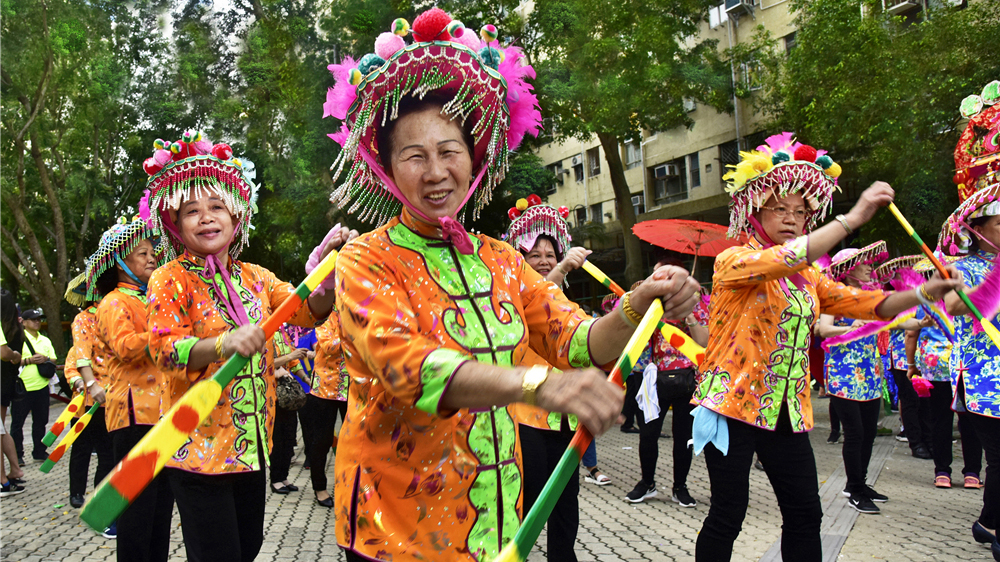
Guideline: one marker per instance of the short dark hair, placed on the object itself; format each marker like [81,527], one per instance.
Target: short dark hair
[978,221]
[555,246]
[385,135]
[107,281]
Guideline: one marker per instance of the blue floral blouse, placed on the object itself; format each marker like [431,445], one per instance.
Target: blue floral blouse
[975,359]
[854,370]
[933,352]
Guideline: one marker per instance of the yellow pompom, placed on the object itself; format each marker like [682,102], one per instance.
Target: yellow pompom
[521,204]
[355,76]
[834,170]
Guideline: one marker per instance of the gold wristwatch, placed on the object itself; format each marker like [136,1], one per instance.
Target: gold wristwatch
[533,378]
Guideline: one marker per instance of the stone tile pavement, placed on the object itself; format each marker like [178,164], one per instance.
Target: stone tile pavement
[919,522]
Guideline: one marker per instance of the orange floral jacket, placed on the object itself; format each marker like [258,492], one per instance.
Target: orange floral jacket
[87,351]
[417,482]
[184,308]
[134,394]
[330,379]
[760,329]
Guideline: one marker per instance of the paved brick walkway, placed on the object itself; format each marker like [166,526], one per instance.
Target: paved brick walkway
[919,522]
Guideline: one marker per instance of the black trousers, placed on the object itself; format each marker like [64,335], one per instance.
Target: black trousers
[988,430]
[35,402]
[860,421]
[541,450]
[649,438]
[93,437]
[909,410]
[320,416]
[143,528]
[790,466]
[284,443]
[631,409]
[942,423]
[834,418]
[222,515]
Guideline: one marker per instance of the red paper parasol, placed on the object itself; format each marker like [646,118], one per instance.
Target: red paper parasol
[687,237]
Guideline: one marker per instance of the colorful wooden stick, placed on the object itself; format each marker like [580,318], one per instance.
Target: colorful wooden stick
[131,476]
[988,326]
[677,338]
[63,419]
[78,427]
[517,550]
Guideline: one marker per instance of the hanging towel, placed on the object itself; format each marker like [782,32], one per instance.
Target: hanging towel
[709,427]
[647,399]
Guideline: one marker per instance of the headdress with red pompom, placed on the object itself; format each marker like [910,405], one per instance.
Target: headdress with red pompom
[849,258]
[531,218]
[977,170]
[116,244]
[780,167]
[190,168]
[485,83]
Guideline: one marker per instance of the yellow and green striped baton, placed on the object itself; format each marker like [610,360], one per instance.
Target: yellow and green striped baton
[678,339]
[64,445]
[57,428]
[131,476]
[988,326]
[517,550]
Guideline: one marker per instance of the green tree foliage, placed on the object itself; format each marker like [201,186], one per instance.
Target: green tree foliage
[612,69]
[882,94]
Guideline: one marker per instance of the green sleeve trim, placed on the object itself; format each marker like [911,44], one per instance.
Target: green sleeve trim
[82,363]
[183,350]
[436,372]
[579,348]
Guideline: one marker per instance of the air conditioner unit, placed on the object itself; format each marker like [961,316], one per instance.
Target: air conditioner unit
[576,160]
[896,7]
[739,7]
[637,200]
[690,105]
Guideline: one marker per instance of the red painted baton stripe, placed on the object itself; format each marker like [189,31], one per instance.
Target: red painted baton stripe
[134,474]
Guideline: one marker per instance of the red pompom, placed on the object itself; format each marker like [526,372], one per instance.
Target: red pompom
[534,200]
[805,153]
[151,166]
[185,150]
[960,177]
[563,211]
[432,26]
[513,213]
[222,151]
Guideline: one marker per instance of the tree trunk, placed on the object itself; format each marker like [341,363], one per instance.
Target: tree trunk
[626,213]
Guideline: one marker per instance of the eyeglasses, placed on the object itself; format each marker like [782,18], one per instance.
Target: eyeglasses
[782,212]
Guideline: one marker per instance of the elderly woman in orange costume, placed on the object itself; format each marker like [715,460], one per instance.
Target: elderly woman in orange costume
[435,321]
[204,306]
[766,297]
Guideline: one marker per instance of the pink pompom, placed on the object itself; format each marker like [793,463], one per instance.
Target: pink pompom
[470,40]
[202,147]
[525,116]
[144,212]
[388,44]
[922,386]
[162,157]
[341,96]
[953,249]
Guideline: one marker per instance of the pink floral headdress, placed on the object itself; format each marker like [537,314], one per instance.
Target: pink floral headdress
[531,218]
[485,83]
[849,258]
[780,167]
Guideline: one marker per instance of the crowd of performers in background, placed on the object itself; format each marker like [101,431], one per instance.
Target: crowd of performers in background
[457,366]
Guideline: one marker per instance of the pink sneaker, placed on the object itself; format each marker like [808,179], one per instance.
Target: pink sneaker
[942,480]
[972,481]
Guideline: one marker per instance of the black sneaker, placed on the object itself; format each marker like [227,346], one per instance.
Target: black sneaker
[901,437]
[833,438]
[874,496]
[862,504]
[10,489]
[682,497]
[641,492]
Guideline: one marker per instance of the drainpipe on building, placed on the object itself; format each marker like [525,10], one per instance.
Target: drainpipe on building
[732,70]
[586,172]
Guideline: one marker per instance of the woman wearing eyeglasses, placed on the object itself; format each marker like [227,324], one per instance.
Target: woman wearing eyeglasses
[766,297]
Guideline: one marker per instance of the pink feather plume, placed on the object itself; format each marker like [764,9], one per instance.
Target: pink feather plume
[144,212]
[340,97]
[525,116]
[908,279]
[986,297]
[774,143]
[868,329]
[341,136]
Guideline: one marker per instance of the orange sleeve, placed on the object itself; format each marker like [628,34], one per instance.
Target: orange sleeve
[123,327]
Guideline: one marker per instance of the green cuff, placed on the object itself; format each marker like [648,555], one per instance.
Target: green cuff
[579,346]
[436,373]
[182,351]
[82,363]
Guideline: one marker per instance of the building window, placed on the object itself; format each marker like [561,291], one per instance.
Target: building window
[581,215]
[578,169]
[670,182]
[695,168]
[556,169]
[597,212]
[790,42]
[593,162]
[633,156]
[750,76]
[638,204]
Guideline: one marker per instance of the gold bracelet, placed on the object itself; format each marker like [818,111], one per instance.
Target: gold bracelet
[630,313]
[220,340]
[924,293]
[843,222]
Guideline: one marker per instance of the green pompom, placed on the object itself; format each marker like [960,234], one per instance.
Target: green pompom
[824,161]
[370,62]
[779,157]
[491,57]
